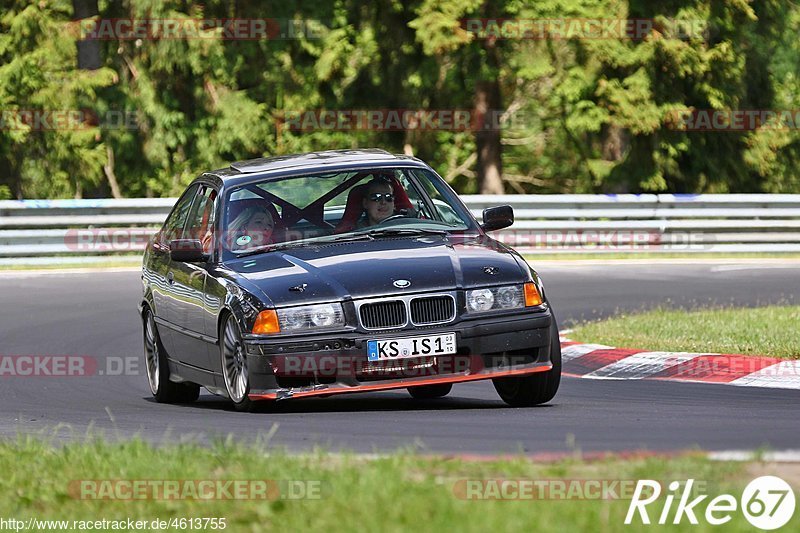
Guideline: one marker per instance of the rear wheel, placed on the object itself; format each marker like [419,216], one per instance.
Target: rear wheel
[537,388]
[234,365]
[155,358]
[429,392]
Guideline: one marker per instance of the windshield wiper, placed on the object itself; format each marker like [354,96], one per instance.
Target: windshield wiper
[392,232]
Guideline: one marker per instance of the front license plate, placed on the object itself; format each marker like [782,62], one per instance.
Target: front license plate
[390,349]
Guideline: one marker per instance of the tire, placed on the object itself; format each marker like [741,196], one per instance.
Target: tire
[536,389]
[430,392]
[235,373]
[155,362]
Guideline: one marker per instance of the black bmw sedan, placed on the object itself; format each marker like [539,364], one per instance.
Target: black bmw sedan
[337,272]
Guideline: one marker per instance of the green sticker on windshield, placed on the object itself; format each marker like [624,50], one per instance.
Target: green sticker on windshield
[244,239]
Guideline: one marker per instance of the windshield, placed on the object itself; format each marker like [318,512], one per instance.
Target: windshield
[356,204]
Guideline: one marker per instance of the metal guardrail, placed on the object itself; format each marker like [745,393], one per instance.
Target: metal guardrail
[544,224]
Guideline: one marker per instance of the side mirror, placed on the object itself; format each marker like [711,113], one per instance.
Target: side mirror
[499,217]
[187,251]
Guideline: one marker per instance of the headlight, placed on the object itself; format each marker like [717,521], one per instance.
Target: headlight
[324,316]
[480,299]
[501,298]
[509,297]
[311,317]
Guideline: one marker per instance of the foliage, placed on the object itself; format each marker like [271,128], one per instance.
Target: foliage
[580,114]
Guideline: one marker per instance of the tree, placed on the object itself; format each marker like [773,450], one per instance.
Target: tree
[49,142]
[560,112]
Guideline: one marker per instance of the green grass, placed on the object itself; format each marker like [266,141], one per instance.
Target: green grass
[399,492]
[771,331]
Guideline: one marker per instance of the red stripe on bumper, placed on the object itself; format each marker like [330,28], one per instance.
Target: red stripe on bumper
[405,384]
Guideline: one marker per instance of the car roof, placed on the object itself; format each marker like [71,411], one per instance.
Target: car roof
[328,160]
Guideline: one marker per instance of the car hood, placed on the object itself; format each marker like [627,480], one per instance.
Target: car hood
[363,269]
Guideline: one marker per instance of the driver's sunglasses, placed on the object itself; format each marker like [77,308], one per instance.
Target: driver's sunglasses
[376,197]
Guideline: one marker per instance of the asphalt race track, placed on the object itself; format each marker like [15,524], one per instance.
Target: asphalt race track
[94,314]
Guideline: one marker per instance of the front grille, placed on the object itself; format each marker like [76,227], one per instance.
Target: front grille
[389,314]
[432,310]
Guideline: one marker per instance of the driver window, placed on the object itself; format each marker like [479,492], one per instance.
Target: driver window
[201,219]
[173,227]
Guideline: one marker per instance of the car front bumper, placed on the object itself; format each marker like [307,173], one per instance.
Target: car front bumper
[323,365]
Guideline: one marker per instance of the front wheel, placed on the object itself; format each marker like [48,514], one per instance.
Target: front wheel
[430,392]
[155,358]
[537,388]
[234,365]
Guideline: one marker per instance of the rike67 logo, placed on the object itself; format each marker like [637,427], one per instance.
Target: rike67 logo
[767,502]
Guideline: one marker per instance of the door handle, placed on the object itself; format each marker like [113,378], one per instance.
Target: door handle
[170,277]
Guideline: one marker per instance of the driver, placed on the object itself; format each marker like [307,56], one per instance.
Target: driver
[378,203]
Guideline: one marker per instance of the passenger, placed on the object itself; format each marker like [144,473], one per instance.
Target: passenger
[252,227]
